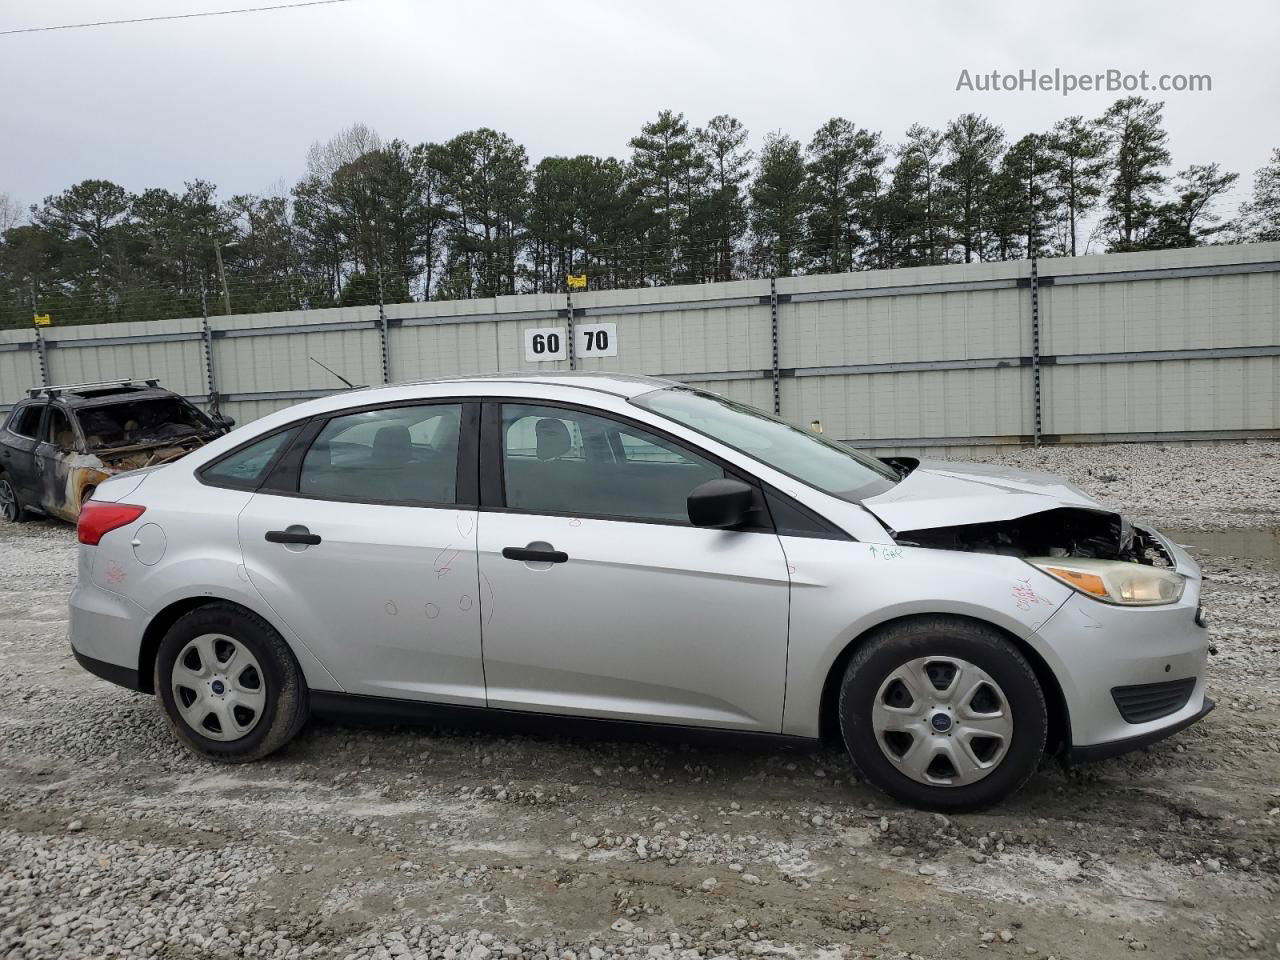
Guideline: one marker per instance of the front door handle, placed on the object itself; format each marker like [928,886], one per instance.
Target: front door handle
[302,536]
[535,555]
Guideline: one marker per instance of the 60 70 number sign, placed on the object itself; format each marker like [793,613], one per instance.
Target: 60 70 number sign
[590,340]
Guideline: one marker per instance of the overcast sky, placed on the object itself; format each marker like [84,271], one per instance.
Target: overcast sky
[238,99]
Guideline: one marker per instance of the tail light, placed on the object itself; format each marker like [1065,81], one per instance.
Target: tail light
[98,519]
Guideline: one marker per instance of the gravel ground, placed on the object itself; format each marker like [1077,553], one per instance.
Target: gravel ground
[377,843]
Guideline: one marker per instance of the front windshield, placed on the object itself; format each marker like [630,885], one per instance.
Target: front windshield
[808,457]
[153,420]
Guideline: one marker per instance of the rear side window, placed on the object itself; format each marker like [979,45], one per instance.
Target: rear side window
[399,455]
[26,422]
[245,468]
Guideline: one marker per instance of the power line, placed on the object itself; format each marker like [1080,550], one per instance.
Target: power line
[173,16]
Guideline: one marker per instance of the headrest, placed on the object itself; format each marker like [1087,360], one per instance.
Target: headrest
[553,438]
[320,455]
[392,442]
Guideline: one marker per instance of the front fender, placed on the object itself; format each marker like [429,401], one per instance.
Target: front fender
[841,590]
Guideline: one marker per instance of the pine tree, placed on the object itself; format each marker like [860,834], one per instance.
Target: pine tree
[1022,205]
[843,169]
[1077,156]
[973,147]
[1260,214]
[779,201]
[1189,219]
[722,145]
[916,205]
[663,162]
[486,180]
[92,223]
[1138,154]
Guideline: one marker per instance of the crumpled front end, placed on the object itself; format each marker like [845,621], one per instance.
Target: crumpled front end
[1131,668]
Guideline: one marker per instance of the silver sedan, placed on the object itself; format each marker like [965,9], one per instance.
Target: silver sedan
[614,548]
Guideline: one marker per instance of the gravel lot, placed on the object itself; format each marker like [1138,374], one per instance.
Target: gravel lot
[376,842]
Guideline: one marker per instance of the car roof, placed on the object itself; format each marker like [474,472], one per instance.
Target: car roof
[618,384]
[77,395]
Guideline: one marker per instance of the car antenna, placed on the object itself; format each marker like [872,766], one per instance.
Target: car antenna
[334,372]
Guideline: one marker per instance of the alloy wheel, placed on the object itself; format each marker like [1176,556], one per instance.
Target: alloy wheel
[218,687]
[8,501]
[942,721]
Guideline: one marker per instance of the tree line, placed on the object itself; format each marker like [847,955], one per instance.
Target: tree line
[472,217]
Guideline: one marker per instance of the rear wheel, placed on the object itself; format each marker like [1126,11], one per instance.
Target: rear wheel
[943,712]
[229,684]
[11,507]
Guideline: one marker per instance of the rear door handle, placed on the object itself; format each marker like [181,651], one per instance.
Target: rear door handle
[293,536]
[534,555]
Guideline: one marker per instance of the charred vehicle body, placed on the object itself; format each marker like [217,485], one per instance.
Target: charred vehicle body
[61,442]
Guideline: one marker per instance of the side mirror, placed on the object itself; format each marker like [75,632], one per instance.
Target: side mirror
[226,422]
[721,504]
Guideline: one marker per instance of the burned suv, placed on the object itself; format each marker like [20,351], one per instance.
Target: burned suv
[59,443]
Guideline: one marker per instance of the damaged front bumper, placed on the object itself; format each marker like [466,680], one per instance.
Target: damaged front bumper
[1114,748]
[1130,675]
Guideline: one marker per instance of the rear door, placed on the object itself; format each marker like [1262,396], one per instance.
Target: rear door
[600,598]
[18,451]
[363,542]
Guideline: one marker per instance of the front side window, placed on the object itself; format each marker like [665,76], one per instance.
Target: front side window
[400,455]
[808,457]
[57,429]
[570,462]
[245,468]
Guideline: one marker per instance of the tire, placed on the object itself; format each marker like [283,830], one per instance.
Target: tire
[188,689]
[977,715]
[11,506]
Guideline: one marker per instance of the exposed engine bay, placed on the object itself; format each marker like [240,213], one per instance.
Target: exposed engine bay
[1062,532]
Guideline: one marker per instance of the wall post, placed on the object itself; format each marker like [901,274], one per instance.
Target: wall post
[773,327]
[206,342]
[42,350]
[382,333]
[1035,347]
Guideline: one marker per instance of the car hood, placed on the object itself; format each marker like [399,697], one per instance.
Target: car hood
[938,493]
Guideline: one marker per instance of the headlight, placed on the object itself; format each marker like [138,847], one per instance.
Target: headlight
[1115,581]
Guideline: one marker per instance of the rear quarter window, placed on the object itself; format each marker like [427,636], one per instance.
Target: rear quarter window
[25,421]
[245,469]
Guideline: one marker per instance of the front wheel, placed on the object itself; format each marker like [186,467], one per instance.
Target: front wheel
[11,507]
[229,684]
[943,713]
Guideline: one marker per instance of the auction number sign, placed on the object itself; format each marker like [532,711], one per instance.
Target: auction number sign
[596,339]
[545,343]
[552,343]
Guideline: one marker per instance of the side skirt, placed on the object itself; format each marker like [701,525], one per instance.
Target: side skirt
[388,710]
